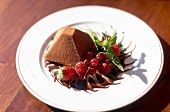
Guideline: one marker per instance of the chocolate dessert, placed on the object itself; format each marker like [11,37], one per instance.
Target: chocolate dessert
[82,61]
[68,47]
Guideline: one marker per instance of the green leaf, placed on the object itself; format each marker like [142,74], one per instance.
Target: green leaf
[59,73]
[112,39]
[95,39]
[120,45]
[105,43]
[105,36]
[112,56]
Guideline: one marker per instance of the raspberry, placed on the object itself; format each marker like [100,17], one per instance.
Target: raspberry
[94,62]
[89,55]
[105,68]
[99,57]
[92,70]
[69,73]
[87,62]
[94,49]
[81,68]
[116,49]
[80,76]
[105,59]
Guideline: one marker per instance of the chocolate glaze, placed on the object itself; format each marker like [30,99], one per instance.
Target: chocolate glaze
[98,80]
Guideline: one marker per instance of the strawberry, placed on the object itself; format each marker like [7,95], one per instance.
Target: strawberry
[66,73]
[116,49]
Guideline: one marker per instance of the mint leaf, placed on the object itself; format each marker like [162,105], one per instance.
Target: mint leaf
[112,39]
[112,56]
[107,44]
[105,36]
[95,39]
[120,45]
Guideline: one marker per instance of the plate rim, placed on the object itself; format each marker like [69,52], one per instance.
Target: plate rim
[51,103]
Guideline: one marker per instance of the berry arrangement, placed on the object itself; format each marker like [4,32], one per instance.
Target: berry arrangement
[100,68]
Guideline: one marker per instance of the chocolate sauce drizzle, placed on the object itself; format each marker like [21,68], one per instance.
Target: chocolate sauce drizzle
[98,80]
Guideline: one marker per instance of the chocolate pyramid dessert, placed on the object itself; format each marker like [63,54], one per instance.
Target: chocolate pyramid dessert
[68,47]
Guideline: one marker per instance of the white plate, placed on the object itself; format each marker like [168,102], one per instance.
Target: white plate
[136,83]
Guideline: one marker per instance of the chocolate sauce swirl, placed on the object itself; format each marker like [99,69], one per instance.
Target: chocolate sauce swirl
[98,80]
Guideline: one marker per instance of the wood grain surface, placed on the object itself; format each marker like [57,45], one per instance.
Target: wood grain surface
[17,16]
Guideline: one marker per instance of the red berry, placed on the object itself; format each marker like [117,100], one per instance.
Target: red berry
[87,62]
[92,70]
[80,76]
[89,55]
[116,49]
[81,68]
[105,68]
[99,57]
[69,73]
[94,62]
[104,60]
[94,49]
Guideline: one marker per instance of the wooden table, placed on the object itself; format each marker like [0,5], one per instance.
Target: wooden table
[17,16]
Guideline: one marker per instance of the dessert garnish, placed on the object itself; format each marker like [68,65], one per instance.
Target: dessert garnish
[91,63]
